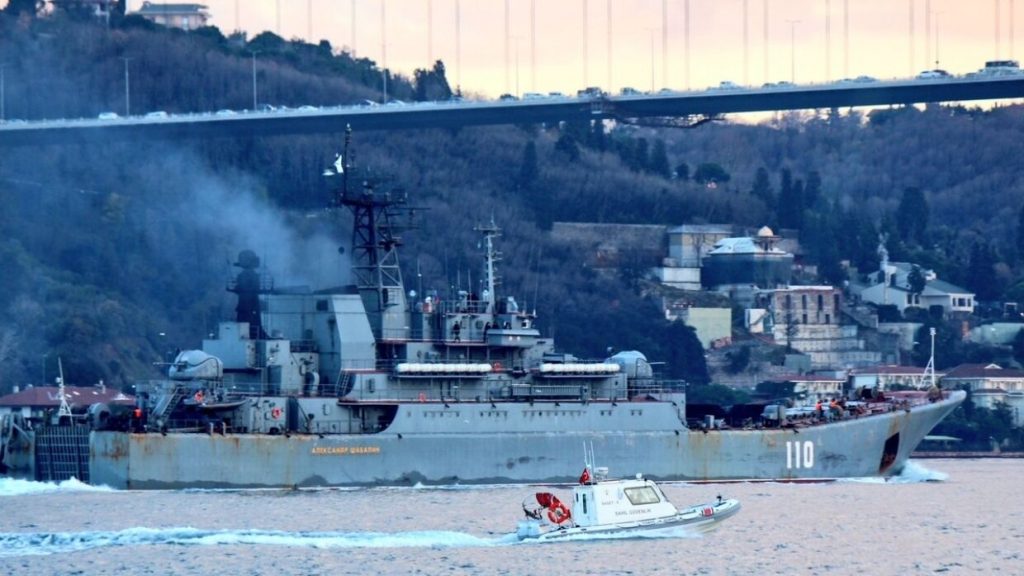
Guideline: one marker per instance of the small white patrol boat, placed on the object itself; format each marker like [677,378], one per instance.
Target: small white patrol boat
[623,506]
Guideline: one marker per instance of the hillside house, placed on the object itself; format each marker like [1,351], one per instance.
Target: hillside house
[891,286]
[184,16]
[990,384]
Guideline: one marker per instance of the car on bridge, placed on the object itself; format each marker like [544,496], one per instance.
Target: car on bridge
[1001,68]
[108,116]
[726,85]
[933,75]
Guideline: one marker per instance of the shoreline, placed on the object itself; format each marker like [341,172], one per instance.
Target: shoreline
[932,454]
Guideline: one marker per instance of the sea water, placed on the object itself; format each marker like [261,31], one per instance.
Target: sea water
[939,517]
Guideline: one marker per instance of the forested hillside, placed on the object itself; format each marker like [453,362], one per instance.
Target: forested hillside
[113,255]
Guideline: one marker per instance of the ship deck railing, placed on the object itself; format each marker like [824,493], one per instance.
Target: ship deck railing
[445,389]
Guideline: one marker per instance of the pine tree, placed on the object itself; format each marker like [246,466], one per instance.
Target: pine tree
[762,189]
[641,161]
[912,216]
[981,273]
[686,354]
[1020,234]
[567,145]
[812,191]
[528,170]
[659,160]
[790,208]
[916,280]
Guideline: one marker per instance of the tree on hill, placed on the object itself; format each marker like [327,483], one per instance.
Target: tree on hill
[916,280]
[1019,237]
[686,359]
[528,170]
[791,204]
[659,160]
[762,189]
[18,7]
[981,274]
[912,215]
[431,85]
[710,172]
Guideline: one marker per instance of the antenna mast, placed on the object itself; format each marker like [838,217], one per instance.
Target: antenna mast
[375,242]
[491,257]
[929,370]
[64,409]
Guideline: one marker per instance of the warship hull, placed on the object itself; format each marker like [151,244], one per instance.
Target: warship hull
[471,451]
[374,384]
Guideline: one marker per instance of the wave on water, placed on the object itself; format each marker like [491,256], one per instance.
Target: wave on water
[676,532]
[19,487]
[916,472]
[912,473]
[46,543]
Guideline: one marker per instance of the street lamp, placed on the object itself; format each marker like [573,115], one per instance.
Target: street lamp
[253,53]
[792,49]
[127,88]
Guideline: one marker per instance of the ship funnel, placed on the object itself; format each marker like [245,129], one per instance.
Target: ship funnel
[247,286]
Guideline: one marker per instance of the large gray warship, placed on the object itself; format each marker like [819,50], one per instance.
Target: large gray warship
[373,385]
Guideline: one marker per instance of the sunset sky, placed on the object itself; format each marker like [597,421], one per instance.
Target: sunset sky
[562,54]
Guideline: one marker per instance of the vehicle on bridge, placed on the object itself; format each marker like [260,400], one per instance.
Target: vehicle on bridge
[591,92]
[726,85]
[1001,68]
[933,75]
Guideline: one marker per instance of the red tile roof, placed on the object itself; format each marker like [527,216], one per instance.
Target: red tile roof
[81,396]
[804,378]
[891,370]
[983,371]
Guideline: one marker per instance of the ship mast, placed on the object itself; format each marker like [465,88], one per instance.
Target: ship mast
[929,371]
[64,410]
[375,243]
[491,257]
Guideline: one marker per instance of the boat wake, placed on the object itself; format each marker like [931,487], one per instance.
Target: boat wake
[912,473]
[18,487]
[46,543]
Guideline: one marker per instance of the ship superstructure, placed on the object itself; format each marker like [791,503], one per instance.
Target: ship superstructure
[372,384]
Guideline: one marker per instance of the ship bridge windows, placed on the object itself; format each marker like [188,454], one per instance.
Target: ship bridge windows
[641,495]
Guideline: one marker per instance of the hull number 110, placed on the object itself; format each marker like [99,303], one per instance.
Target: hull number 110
[799,455]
